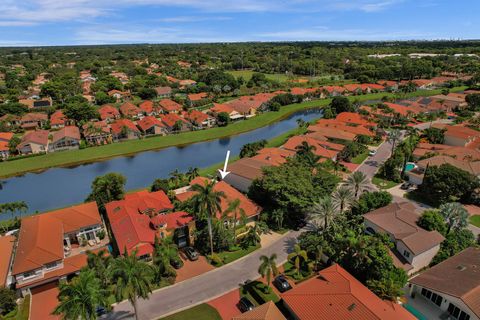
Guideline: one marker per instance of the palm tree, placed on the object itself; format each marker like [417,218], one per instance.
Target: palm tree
[234,207]
[268,267]
[324,209]
[13,207]
[206,204]
[192,173]
[342,198]
[298,256]
[357,183]
[252,237]
[277,216]
[80,298]
[455,215]
[132,278]
[393,137]
[98,263]
[305,148]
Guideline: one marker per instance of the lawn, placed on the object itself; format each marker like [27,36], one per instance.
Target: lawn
[200,312]
[257,293]
[475,220]
[69,158]
[383,183]
[247,75]
[360,158]
[229,256]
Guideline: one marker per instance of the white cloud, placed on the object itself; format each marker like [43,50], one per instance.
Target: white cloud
[187,19]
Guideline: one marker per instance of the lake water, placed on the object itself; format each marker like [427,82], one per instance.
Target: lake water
[62,187]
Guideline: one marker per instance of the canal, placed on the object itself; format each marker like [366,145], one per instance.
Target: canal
[62,187]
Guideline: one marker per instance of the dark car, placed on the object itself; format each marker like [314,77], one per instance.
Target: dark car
[281,283]
[405,186]
[101,311]
[245,305]
[176,263]
[191,253]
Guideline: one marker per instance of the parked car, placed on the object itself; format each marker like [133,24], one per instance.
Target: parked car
[405,186]
[245,305]
[100,311]
[176,263]
[281,283]
[191,253]
[372,152]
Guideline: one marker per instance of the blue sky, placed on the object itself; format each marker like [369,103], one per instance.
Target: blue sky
[71,22]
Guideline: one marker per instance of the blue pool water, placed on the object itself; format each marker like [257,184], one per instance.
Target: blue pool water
[415,312]
[409,166]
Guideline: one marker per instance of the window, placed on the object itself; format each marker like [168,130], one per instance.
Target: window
[435,298]
[29,274]
[457,313]
[406,253]
[50,265]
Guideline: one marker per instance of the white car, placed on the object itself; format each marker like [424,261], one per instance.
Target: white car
[372,152]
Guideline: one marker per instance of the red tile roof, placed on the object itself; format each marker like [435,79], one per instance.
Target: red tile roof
[196,116]
[197,96]
[38,137]
[6,248]
[147,106]
[296,141]
[68,131]
[148,122]
[119,124]
[58,118]
[354,118]
[172,118]
[163,90]
[334,124]
[6,136]
[336,294]
[221,107]
[108,111]
[170,105]
[128,109]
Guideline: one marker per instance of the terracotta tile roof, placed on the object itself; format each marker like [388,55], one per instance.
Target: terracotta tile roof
[246,103]
[68,131]
[196,116]
[357,130]
[354,118]
[335,294]
[266,311]
[197,96]
[248,168]
[172,118]
[273,156]
[6,136]
[221,107]
[4,146]
[91,128]
[470,167]
[148,122]
[38,137]
[108,111]
[332,133]
[302,91]
[146,106]
[6,248]
[34,116]
[187,82]
[458,276]
[119,124]
[128,109]
[170,105]
[40,239]
[387,83]
[172,220]
[458,131]
[58,118]
[399,220]
[163,90]
[296,141]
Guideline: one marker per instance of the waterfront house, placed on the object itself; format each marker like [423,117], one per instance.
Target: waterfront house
[109,113]
[199,119]
[34,142]
[414,247]
[321,151]
[225,108]
[7,244]
[174,123]
[67,138]
[5,138]
[197,99]
[124,129]
[97,133]
[151,126]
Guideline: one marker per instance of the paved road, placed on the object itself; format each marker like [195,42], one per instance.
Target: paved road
[205,287]
[370,166]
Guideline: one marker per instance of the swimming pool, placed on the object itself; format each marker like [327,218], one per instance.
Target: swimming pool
[415,312]
[409,166]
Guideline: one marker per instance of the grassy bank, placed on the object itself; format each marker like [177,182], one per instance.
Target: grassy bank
[200,312]
[70,158]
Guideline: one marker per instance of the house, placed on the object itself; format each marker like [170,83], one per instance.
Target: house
[67,138]
[142,216]
[97,133]
[341,126]
[249,105]
[197,98]
[266,311]
[124,129]
[129,110]
[51,245]
[122,76]
[458,135]
[5,138]
[355,119]
[117,94]
[414,247]
[186,83]
[7,244]
[225,108]
[388,84]
[170,106]
[459,153]
[32,121]
[336,294]
[36,103]
[10,120]
[320,150]
[199,119]
[415,176]
[245,170]
[151,125]
[251,209]
[148,108]
[174,122]
[109,113]
[331,134]
[58,120]
[34,142]
[451,287]
[163,92]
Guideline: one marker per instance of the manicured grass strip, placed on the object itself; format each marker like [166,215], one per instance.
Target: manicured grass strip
[360,158]
[24,309]
[475,220]
[200,312]
[258,293]
[70,158]
[230,256]
[383,184]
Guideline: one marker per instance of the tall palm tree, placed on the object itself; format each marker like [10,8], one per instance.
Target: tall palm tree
[206,204]
[13,207]
[252,237]
[304,148]
[298,256]
[268,268]
[80,298]
[277,216]
[342,198]
[394,136]
[133,279]
[324,209]
[98,263]
[234,207]
[192,173]
[357,183]
[455,215]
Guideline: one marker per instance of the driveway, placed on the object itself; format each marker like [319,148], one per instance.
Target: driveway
[192,269]
[44,301]
[370,166]
[226,305]
[207,286]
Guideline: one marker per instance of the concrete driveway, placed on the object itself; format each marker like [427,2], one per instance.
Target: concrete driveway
[207,286]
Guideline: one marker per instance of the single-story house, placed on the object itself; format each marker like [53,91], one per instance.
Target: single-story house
[199,119]
[67,138]
[97,133]
[129,110]
[34,142]
[174,122]
[33,120]
[151,125]
[124,129]
[109,113]
[170,106]
[225,108]
[163,92]
[58,120]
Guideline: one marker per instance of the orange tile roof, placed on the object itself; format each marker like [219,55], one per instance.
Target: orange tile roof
[334,124]
[332,133]
[354,118]
[336,294]
[129,109]
[108,111]
[119,124]
[6,136]
[58,118]
[148,122]
[40,239]
[296,141]
[172,118]
[68,131]
[196,116]
[6,248]
[38,137]
[4,146]
[458,131]
[197,96]
[221,107]
[146,106]
[266,311]
[169,105]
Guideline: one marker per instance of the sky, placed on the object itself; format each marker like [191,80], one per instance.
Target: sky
[74,22]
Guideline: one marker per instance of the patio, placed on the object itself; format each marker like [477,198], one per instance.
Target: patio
[91,245]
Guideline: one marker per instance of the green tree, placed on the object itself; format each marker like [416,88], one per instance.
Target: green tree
[277,216]
[434,135]
[325,210]
[80,298]
[455,241]
[133,279]
[342,198]
[13,144]
[432,220]
[370,201]
[206,204]
[192,173]
[394,136]
[223,119]
[341,104]
[268,268]
[99,263]
[80,111]
[160,184]
[252,237]
[305,153]
[234,207]
[7,300]
[107,188]
[251,149]
[298,256]
[357,183]
[455,215]
[13,207]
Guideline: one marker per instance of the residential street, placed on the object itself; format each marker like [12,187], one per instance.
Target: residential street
[205,287]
